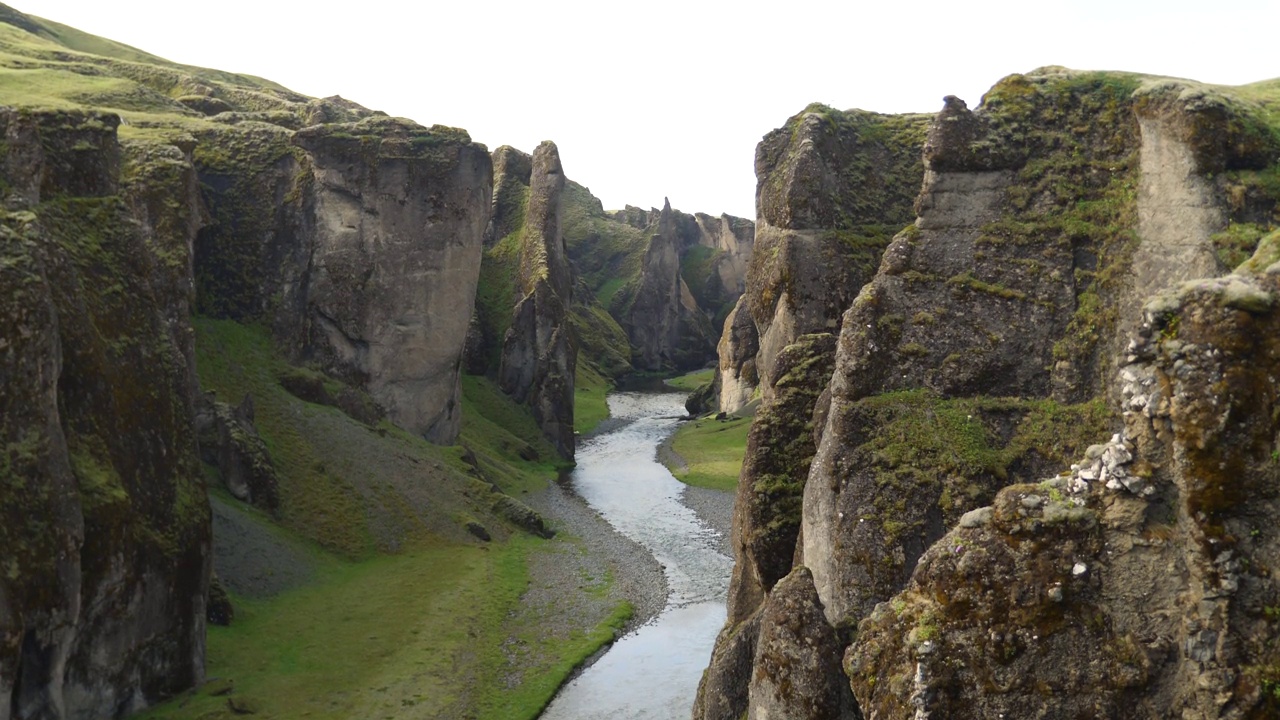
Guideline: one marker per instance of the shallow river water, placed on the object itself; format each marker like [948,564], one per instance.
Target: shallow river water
[654,671]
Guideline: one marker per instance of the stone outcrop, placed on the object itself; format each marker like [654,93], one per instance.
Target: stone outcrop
[538,352]
[228,440]
[766,519]
[797,671]
[832,187]
[978,358]
[1136,584]
[736,368]
[665,325]
[105,518]
[1002,277]
[359,242]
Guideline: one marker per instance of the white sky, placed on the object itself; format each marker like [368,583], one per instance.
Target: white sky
[669,98]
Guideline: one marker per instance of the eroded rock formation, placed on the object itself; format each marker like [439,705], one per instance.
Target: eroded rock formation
[1138,582]
[105,519]
[832,188]
[978,357]
[360,242]
[538,353]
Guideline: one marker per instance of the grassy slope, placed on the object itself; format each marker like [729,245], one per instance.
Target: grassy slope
[589,405]
[711,449]
[692,381]
[419,633]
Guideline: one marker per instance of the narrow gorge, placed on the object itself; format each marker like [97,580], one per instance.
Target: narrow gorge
[311,411]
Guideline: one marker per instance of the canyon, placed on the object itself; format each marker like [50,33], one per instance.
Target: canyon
[1011,372]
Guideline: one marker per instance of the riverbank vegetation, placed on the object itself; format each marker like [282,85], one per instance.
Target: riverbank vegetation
[706,452]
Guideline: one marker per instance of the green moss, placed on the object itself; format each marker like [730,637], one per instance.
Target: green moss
[607,254]
[876,180]
[590,407]
[496,294]
[960,450]
[1236,244]
[967,280]
[602,343]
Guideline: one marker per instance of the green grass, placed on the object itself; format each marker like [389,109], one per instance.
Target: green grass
[427,632]
[498,430]
[713,451]
[692,381]
[589,405]
[414,635]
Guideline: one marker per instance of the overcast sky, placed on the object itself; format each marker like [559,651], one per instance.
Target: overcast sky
[669,98]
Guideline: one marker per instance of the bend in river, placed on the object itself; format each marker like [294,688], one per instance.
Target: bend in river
[653,672]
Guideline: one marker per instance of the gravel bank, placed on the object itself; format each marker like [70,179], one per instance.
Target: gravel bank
[253,559]
[600,552]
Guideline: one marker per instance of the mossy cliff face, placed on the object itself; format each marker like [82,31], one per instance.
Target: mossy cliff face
[106,523]
[766,524]
[686,271]
[361,243]
[1138,583]
[980,354]
[667,328]
[1011,283]
[832,188]
[538,352]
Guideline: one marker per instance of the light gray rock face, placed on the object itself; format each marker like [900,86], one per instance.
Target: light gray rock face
[832,188]
[395,262]
[538,354]
[737,364]
[797,671]
[104,520]
[360,243]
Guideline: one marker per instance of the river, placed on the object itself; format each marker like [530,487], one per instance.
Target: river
[654,671]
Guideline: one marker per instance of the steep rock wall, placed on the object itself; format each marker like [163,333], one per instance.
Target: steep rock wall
[538,353]
[106,524]
[1137,583]
[361,242]
[832,187]
[980,351]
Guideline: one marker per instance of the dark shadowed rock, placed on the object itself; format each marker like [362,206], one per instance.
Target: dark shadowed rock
[229,441]
[797,672]
[723,690]
[105,521]
[774,470]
